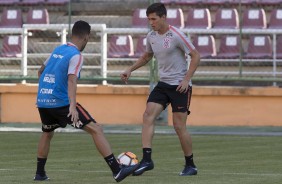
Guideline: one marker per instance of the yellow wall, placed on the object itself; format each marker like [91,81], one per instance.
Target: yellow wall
[254,106]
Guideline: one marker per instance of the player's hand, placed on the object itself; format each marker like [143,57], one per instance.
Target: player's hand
[183,86]
[124,76]
[73,114]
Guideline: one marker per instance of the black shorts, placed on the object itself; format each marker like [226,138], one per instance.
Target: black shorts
[53,118]
[166,94]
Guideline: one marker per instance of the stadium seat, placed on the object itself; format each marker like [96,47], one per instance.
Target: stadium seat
[279,47]
[226,18]
[140,46]
[259,47]
[37,16]
[275,21]
[10,2]
[57,2]
[205,45]
[229,47]
[121,46]
[139,19]
[11,46]
[175,17]
[32,2]
[11,18]
[198,18]
[270,2]
[254,18]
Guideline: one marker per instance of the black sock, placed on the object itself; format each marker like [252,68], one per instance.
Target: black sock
[147,154]
[41,166]
[113,164]
[189,161]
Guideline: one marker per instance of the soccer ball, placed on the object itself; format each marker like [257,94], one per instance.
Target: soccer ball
[127,158]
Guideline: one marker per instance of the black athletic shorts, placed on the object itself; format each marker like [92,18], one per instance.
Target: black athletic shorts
[166,94]
[53,118]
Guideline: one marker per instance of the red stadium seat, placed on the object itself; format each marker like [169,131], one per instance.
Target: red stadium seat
[32,2]
[175,17]
[226,18]
[254,18]
[11,19]
[121,46]
[270,2]
[9,2]
[279,47]
[198,18]
[182,2]
[140,46]
[205,45]
[139,18]
[275,21]
[37,16]
[259,47]
[11,46]
[229,47]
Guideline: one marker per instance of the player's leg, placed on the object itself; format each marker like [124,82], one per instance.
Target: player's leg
[180,107]
[179,123]
[88,124]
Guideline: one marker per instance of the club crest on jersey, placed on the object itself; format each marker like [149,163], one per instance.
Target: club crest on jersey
[168,35]
[166,43]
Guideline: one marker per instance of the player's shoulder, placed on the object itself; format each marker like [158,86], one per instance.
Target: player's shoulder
[174,31]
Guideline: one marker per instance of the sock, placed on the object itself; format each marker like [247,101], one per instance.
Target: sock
[189,161]
[113,164]
[147,154]
[41,166]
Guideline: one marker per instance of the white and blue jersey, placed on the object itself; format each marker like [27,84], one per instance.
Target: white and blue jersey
[53,83]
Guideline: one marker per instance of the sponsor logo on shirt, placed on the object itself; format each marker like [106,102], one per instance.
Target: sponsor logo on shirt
[46,91]
[49,78]
[166,43]
[58,56]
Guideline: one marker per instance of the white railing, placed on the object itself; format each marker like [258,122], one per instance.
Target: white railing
[103,31]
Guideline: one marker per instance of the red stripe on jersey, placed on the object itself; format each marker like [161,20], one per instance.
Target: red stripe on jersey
[78,64]
[184,40]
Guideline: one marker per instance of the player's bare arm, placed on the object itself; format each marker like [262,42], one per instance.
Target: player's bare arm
[195,60]
[143,60]
[41,69]
[72,86]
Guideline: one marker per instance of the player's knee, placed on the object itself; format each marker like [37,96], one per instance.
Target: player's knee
[179,129]
[95,128]
[48,135]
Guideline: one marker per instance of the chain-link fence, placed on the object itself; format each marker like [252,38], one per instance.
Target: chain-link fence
[240,42]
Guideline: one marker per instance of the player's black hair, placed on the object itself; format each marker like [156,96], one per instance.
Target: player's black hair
[81,28]
[158,8]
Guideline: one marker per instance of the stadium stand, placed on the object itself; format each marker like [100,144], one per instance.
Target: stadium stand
[121,46]
[229,47]
[275,21]
[11,18]
[37,16]
[140,46]
[254,18]
[11,46]
[259,47]
[205,44]
[226,18]
[198,18]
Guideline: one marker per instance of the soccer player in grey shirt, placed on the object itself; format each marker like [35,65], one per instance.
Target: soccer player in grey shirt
[169,46]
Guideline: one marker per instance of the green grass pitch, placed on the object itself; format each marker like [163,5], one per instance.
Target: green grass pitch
[73,159]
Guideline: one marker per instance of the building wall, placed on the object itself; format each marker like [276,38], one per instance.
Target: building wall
[210,106]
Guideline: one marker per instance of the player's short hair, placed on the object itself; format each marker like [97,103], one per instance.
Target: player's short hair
[158,8]
[81,28]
